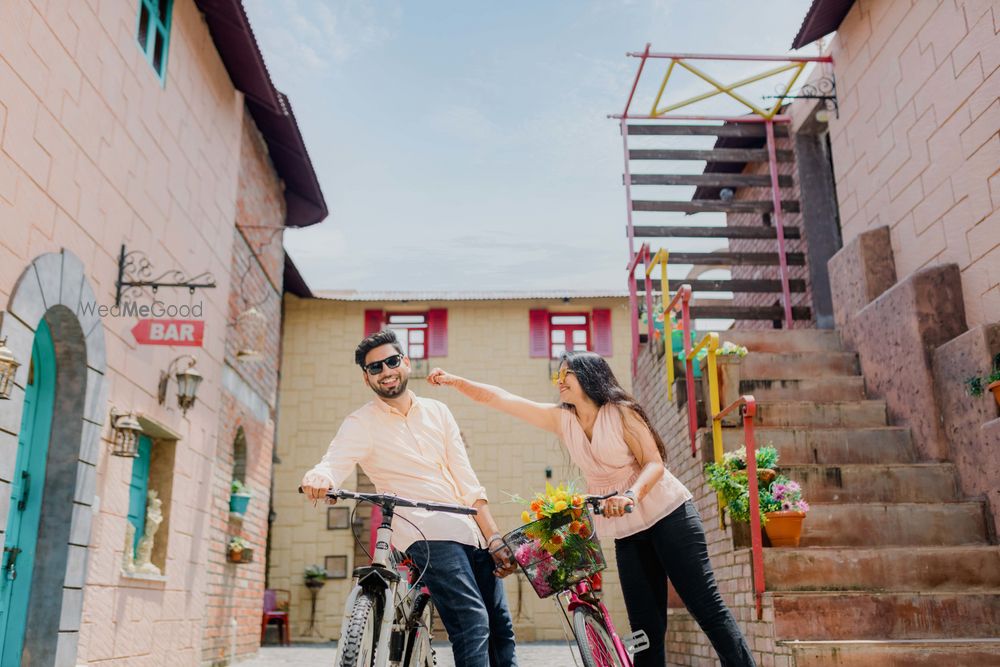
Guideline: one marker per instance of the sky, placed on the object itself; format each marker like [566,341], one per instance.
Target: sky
[466,145]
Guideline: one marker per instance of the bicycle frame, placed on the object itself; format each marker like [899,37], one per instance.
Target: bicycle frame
[586,588]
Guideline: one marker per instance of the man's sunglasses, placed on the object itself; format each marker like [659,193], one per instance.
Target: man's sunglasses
[375,367]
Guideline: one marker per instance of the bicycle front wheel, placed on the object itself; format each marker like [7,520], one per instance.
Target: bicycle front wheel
[597,649]
[362,632]
[419,652]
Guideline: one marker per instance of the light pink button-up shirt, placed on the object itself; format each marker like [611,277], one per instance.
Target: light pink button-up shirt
[419,455]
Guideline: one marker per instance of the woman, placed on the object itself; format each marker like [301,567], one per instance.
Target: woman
[610,438]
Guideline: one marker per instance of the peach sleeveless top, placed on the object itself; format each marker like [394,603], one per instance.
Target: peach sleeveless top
[608,465]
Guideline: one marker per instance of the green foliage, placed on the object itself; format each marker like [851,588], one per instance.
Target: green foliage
[238,544]
[729,478]
[976,385]
[239,488]
[315,572]
[767,457]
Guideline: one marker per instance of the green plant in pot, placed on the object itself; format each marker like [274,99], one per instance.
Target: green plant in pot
[315,576]
[780,498]
[239,497]
[978,385]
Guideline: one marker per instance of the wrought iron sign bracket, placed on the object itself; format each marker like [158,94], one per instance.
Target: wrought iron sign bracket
[824,88]
[135,273]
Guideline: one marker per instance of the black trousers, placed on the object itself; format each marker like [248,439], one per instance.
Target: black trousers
[675,548]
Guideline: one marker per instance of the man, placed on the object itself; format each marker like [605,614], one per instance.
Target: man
[411,446]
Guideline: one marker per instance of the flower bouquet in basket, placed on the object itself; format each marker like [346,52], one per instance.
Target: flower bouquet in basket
[556,547]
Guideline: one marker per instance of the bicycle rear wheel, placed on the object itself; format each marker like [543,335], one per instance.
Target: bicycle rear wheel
[358,647]
[597,649]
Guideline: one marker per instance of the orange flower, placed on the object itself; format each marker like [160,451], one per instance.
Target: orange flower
[577,513]
[574,527]
[540,515]
[536,506]
[584,531]
[556,539]
[577,501]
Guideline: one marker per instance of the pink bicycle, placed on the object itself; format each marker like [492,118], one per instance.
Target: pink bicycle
[561,556]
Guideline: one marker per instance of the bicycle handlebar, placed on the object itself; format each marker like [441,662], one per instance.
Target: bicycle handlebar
[595,502]
[391,500]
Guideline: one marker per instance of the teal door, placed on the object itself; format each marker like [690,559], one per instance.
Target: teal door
[21,538]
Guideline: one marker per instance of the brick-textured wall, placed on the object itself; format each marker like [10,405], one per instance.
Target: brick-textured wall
[686,643]
[234,591]
[487,340]
[769,245]
[916,146]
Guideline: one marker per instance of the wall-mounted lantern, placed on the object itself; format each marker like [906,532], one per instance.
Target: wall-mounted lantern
[125,430]
[250,329]
[188,380]
[8,367]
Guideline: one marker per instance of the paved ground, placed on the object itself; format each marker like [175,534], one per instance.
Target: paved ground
[542,654]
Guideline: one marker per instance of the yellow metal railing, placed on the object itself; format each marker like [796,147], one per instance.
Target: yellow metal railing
[710,343]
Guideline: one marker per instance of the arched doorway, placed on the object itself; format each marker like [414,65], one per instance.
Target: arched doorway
[55,412]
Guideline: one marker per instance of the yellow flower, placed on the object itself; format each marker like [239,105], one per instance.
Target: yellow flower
[525,517]
[561,506]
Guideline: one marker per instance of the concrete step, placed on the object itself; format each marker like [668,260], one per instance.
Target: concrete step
[894,524]
[837,388]
[783,341]
[958,652]
[887,444]
[843,414]
[886,615]
[964,568]
[869,483]
[798,365]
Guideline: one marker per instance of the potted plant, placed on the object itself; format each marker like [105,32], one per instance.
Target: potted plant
[239,551]
[991,381]
[785,511]
[315,576]
[239,497]
[780,499]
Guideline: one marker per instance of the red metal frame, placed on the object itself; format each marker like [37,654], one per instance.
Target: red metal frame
[769,119]
[633,300]
[683,299]
[749,411]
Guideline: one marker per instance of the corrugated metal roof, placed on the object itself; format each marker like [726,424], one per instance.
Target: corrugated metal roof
[823,17]
[271,111]
[446,295]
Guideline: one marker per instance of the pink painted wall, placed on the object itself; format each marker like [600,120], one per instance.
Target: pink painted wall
[95,152]
[916,147]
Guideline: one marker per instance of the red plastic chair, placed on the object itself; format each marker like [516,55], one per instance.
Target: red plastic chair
[276,603]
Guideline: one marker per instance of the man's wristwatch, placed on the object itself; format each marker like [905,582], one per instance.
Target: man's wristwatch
[495,537]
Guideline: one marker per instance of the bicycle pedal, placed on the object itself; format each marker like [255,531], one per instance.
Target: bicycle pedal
[635,642]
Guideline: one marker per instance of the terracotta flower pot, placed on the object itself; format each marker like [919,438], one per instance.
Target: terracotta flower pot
[241,556]
[995,388]
[784,529]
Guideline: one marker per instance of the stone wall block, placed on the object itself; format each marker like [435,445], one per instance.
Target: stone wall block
[73,273]
[79,532]
[49,270]
[90,443]
[28,304]
[859,273]
[96,407]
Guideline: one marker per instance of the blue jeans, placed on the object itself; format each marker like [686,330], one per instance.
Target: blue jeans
[470,600]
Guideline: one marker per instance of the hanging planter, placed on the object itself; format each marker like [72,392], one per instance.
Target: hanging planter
[239,498]
[239,551]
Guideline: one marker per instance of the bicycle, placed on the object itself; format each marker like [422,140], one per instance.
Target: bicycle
[370,637]
[592,627]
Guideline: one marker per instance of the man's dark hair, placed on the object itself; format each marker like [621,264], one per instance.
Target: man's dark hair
[384,337]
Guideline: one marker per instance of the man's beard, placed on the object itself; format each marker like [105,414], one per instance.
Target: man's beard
[390,393]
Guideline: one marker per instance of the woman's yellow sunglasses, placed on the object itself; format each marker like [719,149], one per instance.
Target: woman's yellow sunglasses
[560,375]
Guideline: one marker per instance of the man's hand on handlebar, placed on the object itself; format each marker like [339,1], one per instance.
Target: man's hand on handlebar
[502,558]
[315,486]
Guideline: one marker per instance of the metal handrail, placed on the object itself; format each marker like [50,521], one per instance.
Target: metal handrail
[749,411]
[633,300]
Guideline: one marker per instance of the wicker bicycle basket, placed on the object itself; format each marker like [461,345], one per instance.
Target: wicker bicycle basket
[556,552]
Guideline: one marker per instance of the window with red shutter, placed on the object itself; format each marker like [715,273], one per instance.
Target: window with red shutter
[602,331]
[568,332]
[538,334]
[411,330]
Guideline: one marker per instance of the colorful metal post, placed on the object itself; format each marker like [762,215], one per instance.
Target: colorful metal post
[779,224]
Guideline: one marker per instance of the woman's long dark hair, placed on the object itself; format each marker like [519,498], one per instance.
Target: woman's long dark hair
[599,383]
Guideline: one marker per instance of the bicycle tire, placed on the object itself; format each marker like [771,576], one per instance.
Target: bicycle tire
[421,618]
[593,639]
[362,632]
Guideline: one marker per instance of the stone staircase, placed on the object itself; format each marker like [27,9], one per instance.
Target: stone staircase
[895,567]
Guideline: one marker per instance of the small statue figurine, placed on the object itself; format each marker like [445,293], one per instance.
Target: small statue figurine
[154,517]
